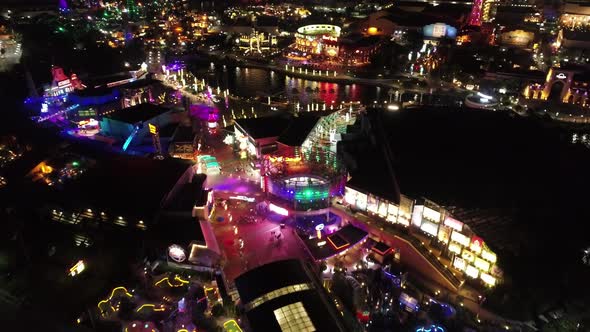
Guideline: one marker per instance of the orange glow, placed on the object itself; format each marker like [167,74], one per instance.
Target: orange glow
[335,247]
[372,30]
[46,169]
[285,159]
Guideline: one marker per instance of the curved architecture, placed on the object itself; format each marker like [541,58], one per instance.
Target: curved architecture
[305,181]
[481,101]
[319,39]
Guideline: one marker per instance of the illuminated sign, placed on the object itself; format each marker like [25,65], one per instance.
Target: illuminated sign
[321,243]
[78,268]
[472,271]
[488,255]
[431,214]
[482,264]
[453,223]
[329,38]
[430,228]
[459,263]
[476,244]
[392,209]
[318,230]
[460,238]
[278,210]
[453,247]
[488,279]
[176,253]
[439,30]
[417,215]
[468,255]
[410,302]
[63,83]
[153,129]
[561,76]
[444,234]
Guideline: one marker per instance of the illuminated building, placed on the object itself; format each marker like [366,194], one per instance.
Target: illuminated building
[62,84]
[397,21]
[575,15]
[121,124]
[380,197]
[324,44]
[182,144]
[517,38]
[114,191]
[155,60]
[481,101]
[487,10]
[568,86]
[318,39]
[476,13]
[257,42]
[285,296]
[358,51]
[298,165]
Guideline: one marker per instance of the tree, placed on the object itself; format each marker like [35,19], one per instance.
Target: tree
[217,310]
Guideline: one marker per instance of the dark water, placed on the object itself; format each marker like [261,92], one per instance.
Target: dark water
[252,82]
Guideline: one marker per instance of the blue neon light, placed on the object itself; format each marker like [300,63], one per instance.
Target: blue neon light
[431,328]
[130,138]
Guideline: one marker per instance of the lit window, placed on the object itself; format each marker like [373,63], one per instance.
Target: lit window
[294,318]
[277,293]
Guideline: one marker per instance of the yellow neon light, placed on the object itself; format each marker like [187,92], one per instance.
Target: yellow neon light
[111,297]
[149,305]
[234,326]
[176,278]
[286,159]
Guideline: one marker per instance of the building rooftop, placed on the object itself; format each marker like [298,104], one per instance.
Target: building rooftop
[183,134]
[282,296]
[138,113]
[94,92]
[138,84]
[334,243]
[576,35]
[298,129]
[415,19]
[268,126]
[373,156]
[181,229]
[119,185]
[269,277]
[188,195]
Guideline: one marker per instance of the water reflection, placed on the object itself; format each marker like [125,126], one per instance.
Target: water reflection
[254,82]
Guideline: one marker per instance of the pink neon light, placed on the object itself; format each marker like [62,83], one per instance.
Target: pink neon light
[278,210]
[475,16]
